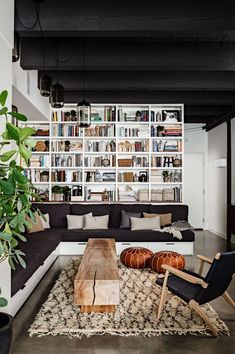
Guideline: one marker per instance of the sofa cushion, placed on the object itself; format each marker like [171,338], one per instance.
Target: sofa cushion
[145,223]
[126,218]
[116,212]
[165,219]
[179,212]
[95,209]
[37,248]
[57,212]
[36,225]
[95,222]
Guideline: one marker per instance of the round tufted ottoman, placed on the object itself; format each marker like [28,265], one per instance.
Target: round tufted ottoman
[173,259]
[136,257]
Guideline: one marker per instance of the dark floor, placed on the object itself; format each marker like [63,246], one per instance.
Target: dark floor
[206,244]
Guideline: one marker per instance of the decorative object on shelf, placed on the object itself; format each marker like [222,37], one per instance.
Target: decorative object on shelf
[160,129]
[143,195]
[98,176]
[45,176]
[177,162]
[166,177]
[161,146]
[136,257]
[143,176]
[105,162]
[171,258]
[42,132]
[83,107]
[105,196]
[168,161]
[73,115]
[67,145]
[124,162]
[58,193]
[171,116]
[67,193]
[40,146]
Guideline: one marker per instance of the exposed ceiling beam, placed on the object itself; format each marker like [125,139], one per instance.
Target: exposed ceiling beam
[146,80]
[92,17]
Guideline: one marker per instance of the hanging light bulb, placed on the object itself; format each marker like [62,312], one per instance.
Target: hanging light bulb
[45,85]
[84,107]
[57,96]
[84,114]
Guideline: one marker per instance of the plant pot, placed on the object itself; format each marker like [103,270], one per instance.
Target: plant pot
[5,333]
[57,197]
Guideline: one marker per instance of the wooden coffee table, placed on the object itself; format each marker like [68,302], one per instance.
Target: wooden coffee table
[97,285]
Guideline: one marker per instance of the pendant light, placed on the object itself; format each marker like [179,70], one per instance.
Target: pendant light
[57,90]
[83,107]
[45,80]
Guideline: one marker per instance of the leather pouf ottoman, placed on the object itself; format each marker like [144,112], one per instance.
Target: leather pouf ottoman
[173,259]
[136,257]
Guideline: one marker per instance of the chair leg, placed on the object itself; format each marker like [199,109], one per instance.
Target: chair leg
[163,296]
[229,300]
[196,307]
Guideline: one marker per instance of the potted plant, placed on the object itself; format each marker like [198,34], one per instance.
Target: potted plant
[165,176]
[58,192]
[67,193]
[16,192]
[45,176]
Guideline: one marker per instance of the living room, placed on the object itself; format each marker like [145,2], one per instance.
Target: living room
[117,177]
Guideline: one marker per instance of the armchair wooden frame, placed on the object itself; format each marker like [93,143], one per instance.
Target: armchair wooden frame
[194,280]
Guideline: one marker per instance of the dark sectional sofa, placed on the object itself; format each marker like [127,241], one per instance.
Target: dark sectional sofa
[41,244]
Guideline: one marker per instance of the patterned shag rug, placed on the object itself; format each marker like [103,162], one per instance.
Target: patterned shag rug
[135,315]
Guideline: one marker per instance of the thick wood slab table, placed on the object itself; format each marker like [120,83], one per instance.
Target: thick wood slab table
[96,285]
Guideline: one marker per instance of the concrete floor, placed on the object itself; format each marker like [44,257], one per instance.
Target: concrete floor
[206,244]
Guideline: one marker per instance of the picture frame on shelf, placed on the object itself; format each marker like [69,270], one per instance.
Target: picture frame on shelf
[171,116]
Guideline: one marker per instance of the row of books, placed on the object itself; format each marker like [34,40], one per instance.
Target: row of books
[65,130]
[39,161]
[73,160]
[100,146]
[66,176]
[100,130]
[97,196]
[135,146]
[109,114]
[64,145]
[138,116]
[141,132]
[34,175]
[159,161]
[100,161]
[60,116]
[168,146]
[169,131]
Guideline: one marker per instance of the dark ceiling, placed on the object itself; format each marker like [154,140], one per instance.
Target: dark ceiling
[153,52]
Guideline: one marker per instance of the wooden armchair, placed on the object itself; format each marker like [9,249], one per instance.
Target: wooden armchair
[196,290]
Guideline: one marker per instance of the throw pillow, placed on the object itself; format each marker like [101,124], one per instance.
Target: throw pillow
[35,226]
[76,221]
[96,222]
[125,221]
[46,223]
[145,223]
[165,219]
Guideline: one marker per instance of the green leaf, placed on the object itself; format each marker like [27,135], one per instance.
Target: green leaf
[3,302]
[7,155]
[3,110]
[30,142]
[11,263]
[21,260]
[24,153]
[12,131]
[6,187]
[5,236]
[26,132]
[24,199]
[19,177]
[18,116]
[14,243]
[21,237]
[3,97]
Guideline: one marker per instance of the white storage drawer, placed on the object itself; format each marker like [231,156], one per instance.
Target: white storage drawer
[185,248]
[72,248]
[120,246]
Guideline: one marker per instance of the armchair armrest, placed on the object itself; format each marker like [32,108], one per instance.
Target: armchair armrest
[185,276]
[205,259]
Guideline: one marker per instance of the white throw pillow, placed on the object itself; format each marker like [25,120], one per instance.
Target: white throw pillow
[46,223]
[145,223]
[96,222]
[76,221]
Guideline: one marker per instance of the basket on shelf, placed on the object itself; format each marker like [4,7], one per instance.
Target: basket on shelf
[143,195]
[156,195]
[124,162]
[168,195]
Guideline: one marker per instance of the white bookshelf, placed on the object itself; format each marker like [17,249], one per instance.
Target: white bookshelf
[144,130]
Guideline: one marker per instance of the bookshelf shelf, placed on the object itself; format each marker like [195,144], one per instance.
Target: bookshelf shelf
[116,130]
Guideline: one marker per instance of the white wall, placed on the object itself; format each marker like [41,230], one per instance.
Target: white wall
[26,94]
[233,159]
[216,184]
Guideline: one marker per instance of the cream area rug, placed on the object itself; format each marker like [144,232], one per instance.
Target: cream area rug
[136,314]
